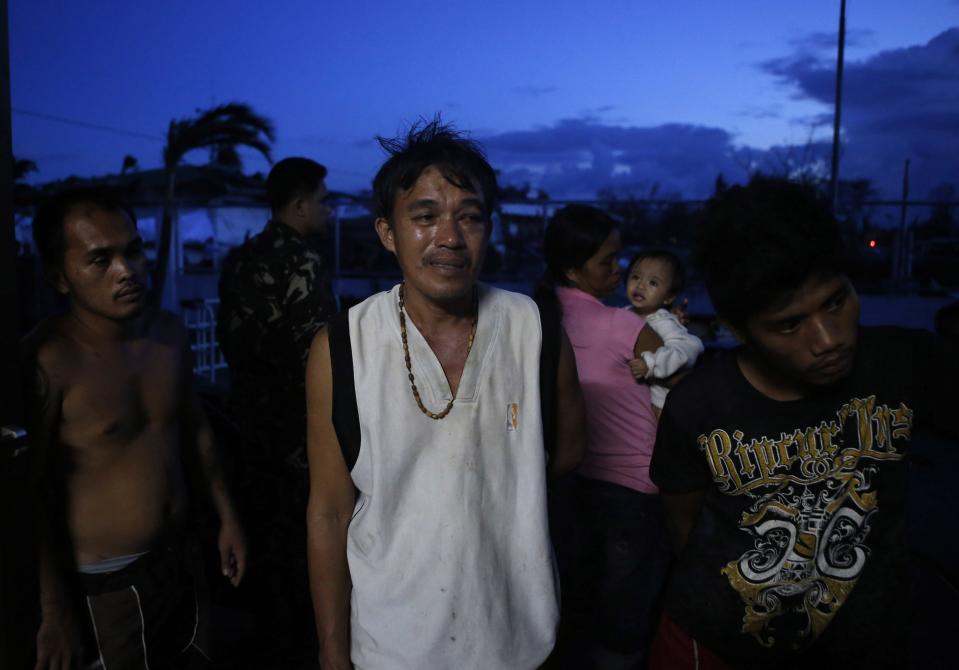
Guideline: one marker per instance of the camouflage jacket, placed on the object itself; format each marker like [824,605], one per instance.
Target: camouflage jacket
[274,294]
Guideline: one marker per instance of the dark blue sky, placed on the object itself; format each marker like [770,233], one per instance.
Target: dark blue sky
[637,97]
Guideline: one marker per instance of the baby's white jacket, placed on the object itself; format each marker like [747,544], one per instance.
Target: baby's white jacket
[680,349]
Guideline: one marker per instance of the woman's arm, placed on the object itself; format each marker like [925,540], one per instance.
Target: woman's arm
[680,349]
[570,415]
[647,340]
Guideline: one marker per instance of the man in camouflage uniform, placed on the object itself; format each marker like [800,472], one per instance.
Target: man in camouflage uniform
[274,295]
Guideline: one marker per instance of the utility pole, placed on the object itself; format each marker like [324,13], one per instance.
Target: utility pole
[901,265]
[837,113]
[19,614]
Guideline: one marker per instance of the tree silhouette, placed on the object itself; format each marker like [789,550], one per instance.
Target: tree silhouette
[22,167]
[227,157]
[231,125]
[130,164]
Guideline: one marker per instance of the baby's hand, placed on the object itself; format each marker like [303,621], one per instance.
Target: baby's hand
[639,368]
[679,311]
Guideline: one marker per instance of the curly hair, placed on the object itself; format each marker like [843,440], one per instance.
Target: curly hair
[760,242]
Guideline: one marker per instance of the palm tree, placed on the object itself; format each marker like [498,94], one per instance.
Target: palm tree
[130,164]
[22,167]
[230,125]
[227,158]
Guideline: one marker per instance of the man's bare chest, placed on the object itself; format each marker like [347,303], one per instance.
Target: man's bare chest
[451,354]
[117,395]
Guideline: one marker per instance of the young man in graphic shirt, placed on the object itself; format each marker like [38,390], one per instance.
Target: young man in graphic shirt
[783,464]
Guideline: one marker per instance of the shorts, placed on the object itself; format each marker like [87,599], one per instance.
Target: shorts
[145,615]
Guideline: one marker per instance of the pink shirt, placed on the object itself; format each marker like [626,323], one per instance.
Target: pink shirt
[620,424]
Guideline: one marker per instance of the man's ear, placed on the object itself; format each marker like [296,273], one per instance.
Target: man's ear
[59,282]
[299,207]
[385,232]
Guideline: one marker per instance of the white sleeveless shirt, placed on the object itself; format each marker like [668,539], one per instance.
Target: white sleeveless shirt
[449,548]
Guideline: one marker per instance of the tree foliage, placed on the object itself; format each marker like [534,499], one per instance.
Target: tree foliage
[231,125]
[221,128]
[22,167]
[130,164]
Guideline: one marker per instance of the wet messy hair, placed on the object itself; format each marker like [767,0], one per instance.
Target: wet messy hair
[678,282]
[292,178]
[759,243]
[48,229]
[460,160]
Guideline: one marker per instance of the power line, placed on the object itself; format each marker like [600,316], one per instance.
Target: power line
[133,133]
[85,124]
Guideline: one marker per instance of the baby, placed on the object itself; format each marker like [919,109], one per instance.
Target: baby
[653,281]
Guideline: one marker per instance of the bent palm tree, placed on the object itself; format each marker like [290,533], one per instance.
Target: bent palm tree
[22,167]
[230,125]
[130,164]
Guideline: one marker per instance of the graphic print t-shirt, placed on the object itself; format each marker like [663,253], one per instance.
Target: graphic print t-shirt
[801,542]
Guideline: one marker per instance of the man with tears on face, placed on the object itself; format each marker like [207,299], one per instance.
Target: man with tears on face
[427,409]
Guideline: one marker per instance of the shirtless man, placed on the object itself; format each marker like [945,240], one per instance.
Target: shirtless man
[113,417]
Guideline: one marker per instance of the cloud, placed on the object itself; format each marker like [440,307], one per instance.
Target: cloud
[828,41]
[761,111]
[533,91]
[578,157]
[898,104]
[910,77]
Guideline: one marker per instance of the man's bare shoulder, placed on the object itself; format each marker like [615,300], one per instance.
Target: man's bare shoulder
[48,333]
[49,345]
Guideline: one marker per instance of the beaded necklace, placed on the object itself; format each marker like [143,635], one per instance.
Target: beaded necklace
[409,367]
